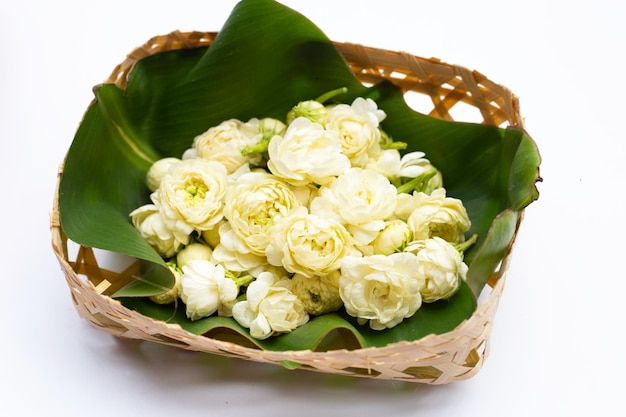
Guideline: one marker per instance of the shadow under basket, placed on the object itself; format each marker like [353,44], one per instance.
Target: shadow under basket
[434,359]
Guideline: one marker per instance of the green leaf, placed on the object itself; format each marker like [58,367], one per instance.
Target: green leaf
[524,172]
[252,69]
[493,249]
[154,280]
[173,97]
[103,181]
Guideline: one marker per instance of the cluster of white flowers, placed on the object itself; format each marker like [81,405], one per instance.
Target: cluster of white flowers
[272,222]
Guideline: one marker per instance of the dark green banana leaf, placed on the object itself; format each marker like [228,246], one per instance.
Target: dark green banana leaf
[265,59]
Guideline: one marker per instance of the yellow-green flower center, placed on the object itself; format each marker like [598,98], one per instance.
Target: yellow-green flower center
[195,191]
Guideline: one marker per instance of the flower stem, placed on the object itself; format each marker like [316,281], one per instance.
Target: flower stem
[257,148]
[418,183]
[463,246]
[241,281]
[330,94]
[393,145]
[386,142]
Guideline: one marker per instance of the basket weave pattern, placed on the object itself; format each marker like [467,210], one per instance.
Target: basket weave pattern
[434,359]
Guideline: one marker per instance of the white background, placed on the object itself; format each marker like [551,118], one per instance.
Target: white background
[557,346]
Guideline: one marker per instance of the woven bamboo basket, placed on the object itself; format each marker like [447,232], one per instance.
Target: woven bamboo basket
[434,359]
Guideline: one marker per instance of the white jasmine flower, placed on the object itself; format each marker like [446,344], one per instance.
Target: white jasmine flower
[305,193]
[279,271]
[268,126]
[368,111]
[212,236]
[190,153]
[205,289]
[270,307]
[310,109]
[357,125]
[319,294]
[192,252]
[393,165]
[233,253]
[158,170]
[232,178]
[254,204]
[393,238]
[191,196]
[223,143]
[383,290]
[152,227]
[405,204]
[362,199]
[387,163]
[442,268]
[307,153]
[308,244]
[401,169]
[414,164]
[438,215]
